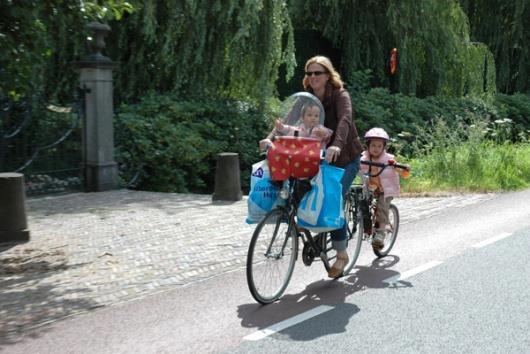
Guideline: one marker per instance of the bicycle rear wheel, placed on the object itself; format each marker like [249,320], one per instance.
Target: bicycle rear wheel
[271,257]
[391,232]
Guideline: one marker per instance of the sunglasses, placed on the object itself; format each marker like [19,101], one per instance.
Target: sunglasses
[316,73]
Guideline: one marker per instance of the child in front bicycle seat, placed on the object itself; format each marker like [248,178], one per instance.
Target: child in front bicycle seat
[308,128]
[386,185]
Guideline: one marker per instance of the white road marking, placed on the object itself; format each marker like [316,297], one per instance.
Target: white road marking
[492,240]
[288,323]
[412,272]
[324,308]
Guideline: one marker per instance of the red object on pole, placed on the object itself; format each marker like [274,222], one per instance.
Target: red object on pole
[393,61]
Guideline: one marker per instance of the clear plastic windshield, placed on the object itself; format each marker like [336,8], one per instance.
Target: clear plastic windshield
[302,108]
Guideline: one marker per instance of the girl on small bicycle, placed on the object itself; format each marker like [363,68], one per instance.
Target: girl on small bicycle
[386,185]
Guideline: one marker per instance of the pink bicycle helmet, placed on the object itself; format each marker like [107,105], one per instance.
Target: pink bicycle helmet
[376,133]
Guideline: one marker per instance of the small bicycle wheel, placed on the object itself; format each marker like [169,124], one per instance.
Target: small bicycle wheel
[391,231]
[354,234]
[271,257]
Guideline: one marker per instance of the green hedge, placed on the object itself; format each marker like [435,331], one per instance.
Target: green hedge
[174,142]
[406,116]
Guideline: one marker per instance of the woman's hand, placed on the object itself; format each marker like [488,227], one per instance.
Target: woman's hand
[264,144]
[332,154]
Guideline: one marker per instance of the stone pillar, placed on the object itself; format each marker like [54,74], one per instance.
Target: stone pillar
[227,180]
[13,222]
[100,169]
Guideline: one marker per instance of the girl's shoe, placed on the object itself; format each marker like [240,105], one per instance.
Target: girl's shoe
[378,241]
[338,267]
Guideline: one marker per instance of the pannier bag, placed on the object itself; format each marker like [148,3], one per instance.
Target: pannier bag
[322,209]
[296,157]
[264,194]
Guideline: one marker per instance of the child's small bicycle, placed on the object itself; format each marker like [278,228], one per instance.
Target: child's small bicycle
[361,207]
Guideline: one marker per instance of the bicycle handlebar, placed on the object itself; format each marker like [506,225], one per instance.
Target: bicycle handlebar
[391,163]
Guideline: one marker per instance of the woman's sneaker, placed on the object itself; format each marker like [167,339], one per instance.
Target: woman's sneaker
[378,241]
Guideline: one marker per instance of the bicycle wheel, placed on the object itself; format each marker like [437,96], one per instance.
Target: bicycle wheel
[354,234]
[271,257]
[391,231]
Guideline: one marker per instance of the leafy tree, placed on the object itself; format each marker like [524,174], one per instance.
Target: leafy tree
[432,37]
[40,39]
[505,27]
[204,46]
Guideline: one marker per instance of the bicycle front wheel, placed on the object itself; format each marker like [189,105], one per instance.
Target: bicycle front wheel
[354,234]
[391,232]
[271,257]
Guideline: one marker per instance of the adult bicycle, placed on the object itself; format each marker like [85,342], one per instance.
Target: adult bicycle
[273,248]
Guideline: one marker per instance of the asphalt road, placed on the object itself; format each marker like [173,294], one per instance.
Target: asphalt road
[456,282]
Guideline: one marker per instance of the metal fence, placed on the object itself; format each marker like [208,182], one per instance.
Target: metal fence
[42,141]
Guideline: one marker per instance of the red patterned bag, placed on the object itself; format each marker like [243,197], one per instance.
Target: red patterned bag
[296,157]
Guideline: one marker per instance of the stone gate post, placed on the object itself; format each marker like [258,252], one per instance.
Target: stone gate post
[100,169]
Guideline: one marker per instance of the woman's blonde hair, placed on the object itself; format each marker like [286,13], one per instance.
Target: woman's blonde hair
[334,76]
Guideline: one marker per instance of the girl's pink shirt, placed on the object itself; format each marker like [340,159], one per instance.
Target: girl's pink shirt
[389,178]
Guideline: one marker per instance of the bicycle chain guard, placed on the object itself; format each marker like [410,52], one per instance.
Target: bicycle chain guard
[308,252]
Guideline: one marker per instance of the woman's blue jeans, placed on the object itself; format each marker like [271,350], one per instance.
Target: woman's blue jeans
[338,237]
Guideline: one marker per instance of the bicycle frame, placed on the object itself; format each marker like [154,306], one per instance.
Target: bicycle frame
[291,208]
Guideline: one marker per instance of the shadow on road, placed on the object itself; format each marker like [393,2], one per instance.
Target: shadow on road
[29,298]
[5,246]
[323,292]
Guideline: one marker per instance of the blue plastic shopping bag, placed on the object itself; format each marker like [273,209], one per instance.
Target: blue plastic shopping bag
[264,195]
[311,204]
[327,187]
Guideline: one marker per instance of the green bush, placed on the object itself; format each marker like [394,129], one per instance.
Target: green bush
[469,158]
[174,142]
[517,109]
[405,117]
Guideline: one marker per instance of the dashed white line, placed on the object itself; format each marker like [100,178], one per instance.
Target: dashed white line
[324,308]
[492,240]
[412,272]
[287,323]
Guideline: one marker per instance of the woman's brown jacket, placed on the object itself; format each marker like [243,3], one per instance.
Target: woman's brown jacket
[339,118]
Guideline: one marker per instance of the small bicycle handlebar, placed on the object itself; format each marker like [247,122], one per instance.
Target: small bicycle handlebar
[391,163]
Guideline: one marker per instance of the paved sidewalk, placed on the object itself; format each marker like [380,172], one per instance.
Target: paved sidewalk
[89,250]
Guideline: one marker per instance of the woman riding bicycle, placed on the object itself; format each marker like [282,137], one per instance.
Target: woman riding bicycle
[344,148]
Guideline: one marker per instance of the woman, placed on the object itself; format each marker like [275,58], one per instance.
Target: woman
[322,80]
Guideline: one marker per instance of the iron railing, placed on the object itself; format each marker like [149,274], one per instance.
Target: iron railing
[42,141]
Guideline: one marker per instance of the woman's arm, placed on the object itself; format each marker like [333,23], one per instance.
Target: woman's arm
[344,119]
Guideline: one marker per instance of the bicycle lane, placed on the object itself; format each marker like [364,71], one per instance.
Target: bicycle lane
[476,301]
[218,313]
[423,246]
